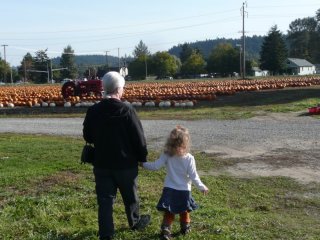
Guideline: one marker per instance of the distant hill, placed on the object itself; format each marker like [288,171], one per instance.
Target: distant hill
[93,60]
[253,45]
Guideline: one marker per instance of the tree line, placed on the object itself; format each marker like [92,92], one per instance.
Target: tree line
[301,41]
[185,60]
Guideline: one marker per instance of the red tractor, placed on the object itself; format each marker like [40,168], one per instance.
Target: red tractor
[82,88]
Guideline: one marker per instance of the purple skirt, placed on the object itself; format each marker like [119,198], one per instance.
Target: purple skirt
[176,201]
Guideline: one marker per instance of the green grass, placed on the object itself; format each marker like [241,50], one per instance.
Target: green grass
[243,105]
[46,194]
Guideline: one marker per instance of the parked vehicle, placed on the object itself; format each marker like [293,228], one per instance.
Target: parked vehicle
[82,88]
[66,80]
[314,110]
[128,78]
[164,77]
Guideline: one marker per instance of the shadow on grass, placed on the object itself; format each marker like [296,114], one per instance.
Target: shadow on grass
[89,234]
[125,233]
[84,234]
[266,97]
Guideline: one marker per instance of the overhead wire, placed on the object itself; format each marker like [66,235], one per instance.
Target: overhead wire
[125,26]
[105,37]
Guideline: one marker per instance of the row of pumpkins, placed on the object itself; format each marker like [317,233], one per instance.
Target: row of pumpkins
[151,94]
[161,104]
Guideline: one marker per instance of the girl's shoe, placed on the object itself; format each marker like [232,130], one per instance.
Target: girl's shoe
[185,228]
[166,232]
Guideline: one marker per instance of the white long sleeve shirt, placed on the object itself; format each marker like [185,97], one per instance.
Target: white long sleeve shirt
[181,171]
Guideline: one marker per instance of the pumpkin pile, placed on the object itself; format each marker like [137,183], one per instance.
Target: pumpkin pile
[178,93]
[28,96]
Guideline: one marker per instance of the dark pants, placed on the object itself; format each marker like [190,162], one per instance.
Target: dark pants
[107,183]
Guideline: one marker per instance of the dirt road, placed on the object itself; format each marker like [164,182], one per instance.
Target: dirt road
[273,145]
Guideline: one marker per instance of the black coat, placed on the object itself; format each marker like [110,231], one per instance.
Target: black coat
[117,134]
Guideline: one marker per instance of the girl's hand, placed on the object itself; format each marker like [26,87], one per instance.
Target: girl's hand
[205,191]
[140,164]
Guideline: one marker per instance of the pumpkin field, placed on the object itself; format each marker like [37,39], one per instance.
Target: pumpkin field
[149,94]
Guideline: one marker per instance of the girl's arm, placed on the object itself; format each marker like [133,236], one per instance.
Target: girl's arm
[194,176]
[156,165]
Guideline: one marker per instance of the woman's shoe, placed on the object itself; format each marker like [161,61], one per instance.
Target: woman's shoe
[143,222]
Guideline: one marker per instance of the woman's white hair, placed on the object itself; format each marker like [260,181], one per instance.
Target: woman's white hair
[111,81]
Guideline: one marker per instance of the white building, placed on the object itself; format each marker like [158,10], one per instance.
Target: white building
[257,72]
[297,66]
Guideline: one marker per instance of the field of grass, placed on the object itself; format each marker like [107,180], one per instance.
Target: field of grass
[243,105]
[46,194]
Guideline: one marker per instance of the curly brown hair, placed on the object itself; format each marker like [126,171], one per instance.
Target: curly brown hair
[178,142]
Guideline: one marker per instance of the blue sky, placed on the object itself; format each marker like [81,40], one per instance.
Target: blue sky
[97,26]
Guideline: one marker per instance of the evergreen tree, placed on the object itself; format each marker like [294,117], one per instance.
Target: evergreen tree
[26,64]
[141,50]
[68,61]
[138,68]
[41,64]
[273,52]
[186,52]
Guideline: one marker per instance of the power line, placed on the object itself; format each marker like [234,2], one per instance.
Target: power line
[103,37]
[126,26]
[285,5]
[160,21]
[130,34]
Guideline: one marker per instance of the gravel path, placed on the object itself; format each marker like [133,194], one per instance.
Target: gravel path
[234,138]
[273,145]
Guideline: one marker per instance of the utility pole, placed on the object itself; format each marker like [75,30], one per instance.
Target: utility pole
[51,71]
[48,73]
[243,12]
[25,70]
[145,62]
[11,75]
[107,64]
[119,59]
[5,61]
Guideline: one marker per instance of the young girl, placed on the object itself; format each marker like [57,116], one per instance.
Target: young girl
[181,172]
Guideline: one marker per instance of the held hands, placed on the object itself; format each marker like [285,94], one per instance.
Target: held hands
[205,191]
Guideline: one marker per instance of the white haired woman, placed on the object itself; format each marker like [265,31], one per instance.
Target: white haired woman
[116,132]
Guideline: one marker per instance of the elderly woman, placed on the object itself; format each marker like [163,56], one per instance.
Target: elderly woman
[118,137]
